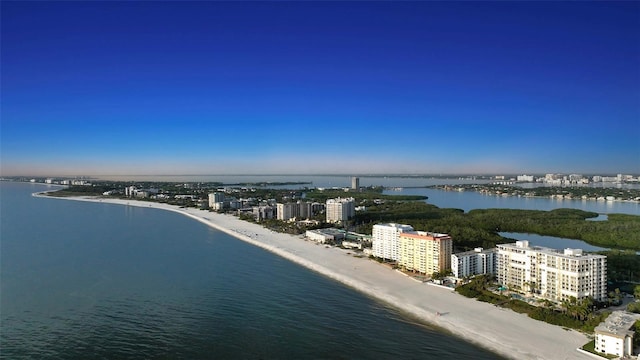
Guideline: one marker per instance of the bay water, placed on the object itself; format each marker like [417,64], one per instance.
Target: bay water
[88,280]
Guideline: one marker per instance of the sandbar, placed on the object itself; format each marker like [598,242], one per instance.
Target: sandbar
[499,330]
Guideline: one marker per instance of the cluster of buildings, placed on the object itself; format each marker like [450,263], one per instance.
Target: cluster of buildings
[572,179]
[417,251]
[550,274]
[132,191]
[74,182]
[337,210]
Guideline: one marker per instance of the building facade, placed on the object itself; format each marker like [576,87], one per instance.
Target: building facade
[262,212]
[424,252]
[340,209]
[614,336]
[216,200]
[552,274]
[475,262]
[385,240]
[327,235]
[355,183]
[287,211]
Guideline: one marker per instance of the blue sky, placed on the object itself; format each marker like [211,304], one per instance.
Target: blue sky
[113,88]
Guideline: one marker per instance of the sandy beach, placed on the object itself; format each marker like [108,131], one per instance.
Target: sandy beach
[500,330]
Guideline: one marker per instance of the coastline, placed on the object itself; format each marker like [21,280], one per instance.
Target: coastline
[499,330]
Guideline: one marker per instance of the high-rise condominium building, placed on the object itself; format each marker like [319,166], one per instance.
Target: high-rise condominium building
[355,183]
[287,211]
[340,209]
[215,200]
[425,252]
[385,240]
[552,274]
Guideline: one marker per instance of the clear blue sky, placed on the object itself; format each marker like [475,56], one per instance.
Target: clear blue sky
[92,88]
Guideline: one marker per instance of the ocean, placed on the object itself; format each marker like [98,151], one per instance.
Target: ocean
[89,280]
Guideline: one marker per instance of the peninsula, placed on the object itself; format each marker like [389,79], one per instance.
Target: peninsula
[505,332]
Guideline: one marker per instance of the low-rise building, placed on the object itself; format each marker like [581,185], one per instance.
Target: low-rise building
[614,335]
[324,236]
[475,262]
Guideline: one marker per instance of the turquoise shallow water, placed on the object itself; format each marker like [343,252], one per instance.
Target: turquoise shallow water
[88,280]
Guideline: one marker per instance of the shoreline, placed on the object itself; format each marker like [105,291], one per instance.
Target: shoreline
[501,331]
[558,197]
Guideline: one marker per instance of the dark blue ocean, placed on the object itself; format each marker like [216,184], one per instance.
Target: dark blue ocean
[98,281]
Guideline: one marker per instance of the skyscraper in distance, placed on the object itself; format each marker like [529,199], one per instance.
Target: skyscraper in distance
[355,183]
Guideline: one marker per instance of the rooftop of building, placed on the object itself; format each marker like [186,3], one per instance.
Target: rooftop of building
[425,235]
[394,225]
[566,253]
[340,200]
[328,231]
[618,324]
[476,251]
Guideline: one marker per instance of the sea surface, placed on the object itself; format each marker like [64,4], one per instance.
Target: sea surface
[100,281]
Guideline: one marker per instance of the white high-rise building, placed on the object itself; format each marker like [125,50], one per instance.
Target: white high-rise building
[355,183]
[130,191]
[552,274]
[340,209]
[385,240]
[287,211]
[475,262]
[215,199]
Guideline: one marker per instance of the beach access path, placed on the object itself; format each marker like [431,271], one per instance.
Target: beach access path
[502,331]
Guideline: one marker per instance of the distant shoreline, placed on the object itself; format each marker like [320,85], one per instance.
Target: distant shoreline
[501,331]
[485,189]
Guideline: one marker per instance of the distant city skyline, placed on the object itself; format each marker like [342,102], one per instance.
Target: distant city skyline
[174,88]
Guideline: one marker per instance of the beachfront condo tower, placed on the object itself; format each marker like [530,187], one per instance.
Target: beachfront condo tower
[340,209]
[385,240]
[552,274]
[425,252]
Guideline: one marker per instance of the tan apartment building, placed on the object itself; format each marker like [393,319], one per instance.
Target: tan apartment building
[425,252]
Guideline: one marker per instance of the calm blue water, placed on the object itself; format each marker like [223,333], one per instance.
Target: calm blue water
[469,200]
[87,280]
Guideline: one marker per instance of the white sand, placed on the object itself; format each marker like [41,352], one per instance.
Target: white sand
[500,330]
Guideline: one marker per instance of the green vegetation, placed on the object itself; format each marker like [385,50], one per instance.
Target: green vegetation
[591,347]
[623,267]
[79,190]
[579,315]
[479,228]
[635,306]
